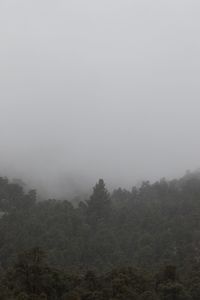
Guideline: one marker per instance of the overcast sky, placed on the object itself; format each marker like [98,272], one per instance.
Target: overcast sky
[107,88]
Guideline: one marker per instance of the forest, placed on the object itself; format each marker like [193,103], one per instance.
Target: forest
[142,244]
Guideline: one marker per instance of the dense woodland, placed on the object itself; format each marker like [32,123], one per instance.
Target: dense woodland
[141,244]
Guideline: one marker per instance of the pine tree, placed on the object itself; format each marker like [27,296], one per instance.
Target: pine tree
[99,204]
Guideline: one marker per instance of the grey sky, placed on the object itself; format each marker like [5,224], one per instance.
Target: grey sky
[93,89]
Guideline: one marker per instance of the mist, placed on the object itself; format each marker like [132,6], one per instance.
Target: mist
[98,89]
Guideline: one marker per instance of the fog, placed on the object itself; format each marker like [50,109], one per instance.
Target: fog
[98,89]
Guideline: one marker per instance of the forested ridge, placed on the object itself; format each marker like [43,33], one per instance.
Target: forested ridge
[138,244]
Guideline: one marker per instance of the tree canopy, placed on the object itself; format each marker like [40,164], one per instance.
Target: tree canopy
[138,244]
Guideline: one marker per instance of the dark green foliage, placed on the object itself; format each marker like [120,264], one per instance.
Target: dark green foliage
[13,197]
[32,277]
[153,227]
[99,204]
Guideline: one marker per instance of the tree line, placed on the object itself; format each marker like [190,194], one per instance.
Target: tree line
[109,238]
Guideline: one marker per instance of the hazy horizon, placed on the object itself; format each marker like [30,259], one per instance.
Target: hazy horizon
[98,89]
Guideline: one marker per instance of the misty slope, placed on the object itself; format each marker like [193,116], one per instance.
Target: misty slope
[146,227]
